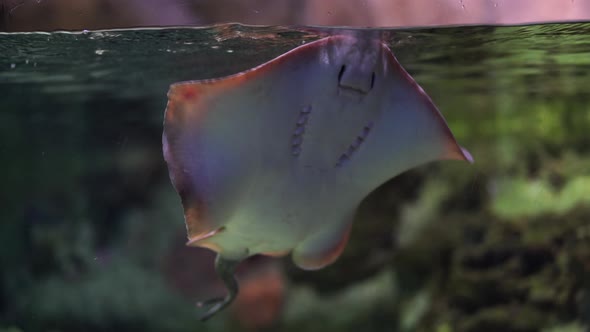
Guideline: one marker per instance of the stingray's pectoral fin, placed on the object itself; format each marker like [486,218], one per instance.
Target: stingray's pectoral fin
[323,248]
[225,269]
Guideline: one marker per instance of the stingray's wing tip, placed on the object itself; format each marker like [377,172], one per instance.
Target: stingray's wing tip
[466,155]
[454,151]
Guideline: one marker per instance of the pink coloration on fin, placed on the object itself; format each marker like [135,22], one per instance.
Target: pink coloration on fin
[182,98]
[189,92]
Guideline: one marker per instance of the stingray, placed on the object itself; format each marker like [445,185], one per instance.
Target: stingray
[276,159]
